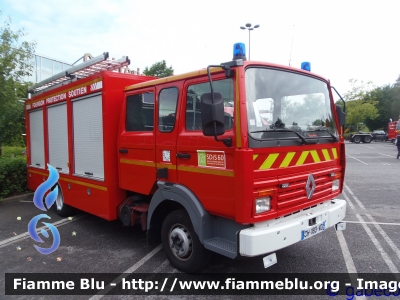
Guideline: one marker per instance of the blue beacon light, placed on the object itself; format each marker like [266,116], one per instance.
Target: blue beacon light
[239,51]
[306,65]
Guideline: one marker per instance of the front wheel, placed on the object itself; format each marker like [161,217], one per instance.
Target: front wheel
[181,243]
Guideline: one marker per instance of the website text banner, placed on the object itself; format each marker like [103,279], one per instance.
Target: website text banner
[203,284]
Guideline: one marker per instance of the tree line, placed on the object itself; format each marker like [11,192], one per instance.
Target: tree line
[371,105]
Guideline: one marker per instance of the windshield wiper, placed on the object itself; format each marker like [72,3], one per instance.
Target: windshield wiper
[284,130]
[323,128]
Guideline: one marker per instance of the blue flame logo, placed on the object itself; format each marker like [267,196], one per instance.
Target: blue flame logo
[49,200]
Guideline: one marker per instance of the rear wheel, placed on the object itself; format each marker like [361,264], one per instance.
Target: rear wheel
[62,209]
[367,139]
[357,139]
[181,243]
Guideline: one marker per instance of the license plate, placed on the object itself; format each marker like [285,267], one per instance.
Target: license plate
[305,234]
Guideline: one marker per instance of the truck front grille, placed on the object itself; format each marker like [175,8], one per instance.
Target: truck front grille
[295,193]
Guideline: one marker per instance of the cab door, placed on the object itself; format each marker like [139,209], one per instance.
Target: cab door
[166,132]
[137,166]
[205,165]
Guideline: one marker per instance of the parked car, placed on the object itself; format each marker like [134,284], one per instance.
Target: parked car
[380,135]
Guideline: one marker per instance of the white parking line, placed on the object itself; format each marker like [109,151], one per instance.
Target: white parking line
[374,240]
[388,155]
[127,273]
[26,235]
[348,200]
[348,259]
[351,268]
[372,223]
[356,159]
[354,197]
[385,236]
[378,246]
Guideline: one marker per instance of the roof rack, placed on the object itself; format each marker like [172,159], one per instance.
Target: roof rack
[90,67]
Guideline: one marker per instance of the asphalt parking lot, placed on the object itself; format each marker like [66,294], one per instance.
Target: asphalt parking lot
[370,244]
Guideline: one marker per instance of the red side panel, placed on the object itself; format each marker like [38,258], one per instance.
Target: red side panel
[102,196]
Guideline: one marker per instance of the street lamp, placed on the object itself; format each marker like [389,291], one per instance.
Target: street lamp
[249,28]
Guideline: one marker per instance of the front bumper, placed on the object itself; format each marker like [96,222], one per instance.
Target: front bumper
[269,236]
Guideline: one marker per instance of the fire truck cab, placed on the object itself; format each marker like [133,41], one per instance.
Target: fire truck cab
[242,158]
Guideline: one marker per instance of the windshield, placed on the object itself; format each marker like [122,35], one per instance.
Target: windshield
[288,106]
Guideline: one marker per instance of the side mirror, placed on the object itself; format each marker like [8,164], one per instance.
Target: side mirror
[212,114]
[341,115]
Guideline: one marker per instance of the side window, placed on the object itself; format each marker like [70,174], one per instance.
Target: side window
[167,100]
[140,112]
[194,91]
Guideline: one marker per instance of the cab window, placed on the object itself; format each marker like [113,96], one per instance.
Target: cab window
[193,112]
[167,100]
[140,112]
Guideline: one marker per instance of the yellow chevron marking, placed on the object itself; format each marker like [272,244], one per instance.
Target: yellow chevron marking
[326,154]
[255,156]
[269,161]
[287,160]
[315,156]
[334,153]
[302,158]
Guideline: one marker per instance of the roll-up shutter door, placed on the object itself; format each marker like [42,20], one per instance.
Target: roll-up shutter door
[58,137]
[88,137]
[36,136]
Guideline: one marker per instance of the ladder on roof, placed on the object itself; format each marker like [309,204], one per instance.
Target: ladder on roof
[90,67]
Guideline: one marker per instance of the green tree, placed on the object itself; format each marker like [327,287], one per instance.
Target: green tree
[358,111]
[15,57]
[358,90]
[397,83]
[159,69]
[360,103]
[388,105]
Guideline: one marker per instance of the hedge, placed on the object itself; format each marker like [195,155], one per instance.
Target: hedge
[12,176]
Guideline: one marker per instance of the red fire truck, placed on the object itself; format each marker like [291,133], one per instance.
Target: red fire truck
[242,158]
[393,131]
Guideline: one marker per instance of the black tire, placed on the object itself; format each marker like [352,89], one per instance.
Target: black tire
[367,139]
[62,209]
[357,139]
[181,243]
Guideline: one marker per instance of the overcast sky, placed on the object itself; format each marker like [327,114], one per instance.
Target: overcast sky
[341,39]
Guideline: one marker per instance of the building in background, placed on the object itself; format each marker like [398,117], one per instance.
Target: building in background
[44,67]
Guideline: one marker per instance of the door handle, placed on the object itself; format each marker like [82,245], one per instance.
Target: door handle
[123,150]
[183,155]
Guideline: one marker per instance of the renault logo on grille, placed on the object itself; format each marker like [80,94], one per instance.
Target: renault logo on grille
[310,186]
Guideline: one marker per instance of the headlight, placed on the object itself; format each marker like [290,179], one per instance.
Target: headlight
[263,204]
[335,184]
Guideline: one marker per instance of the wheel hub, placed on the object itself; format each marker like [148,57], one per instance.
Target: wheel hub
[180,242]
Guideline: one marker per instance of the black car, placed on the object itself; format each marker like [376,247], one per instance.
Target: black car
[380,135]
